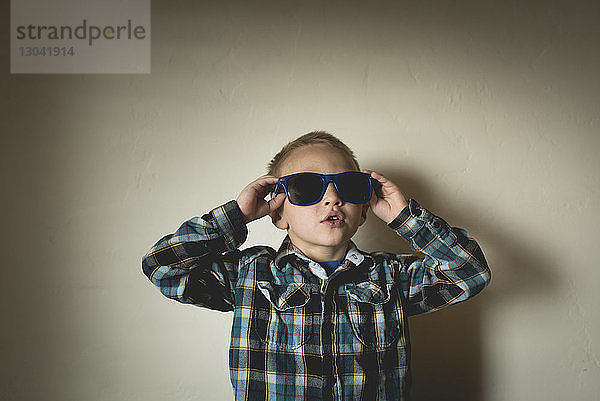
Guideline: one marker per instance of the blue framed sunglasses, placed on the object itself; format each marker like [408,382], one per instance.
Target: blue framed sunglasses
[305,189]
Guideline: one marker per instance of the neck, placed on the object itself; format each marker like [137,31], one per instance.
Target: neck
[322,253]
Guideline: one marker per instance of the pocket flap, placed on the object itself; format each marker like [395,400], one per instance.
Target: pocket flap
[368,292]
[286,297]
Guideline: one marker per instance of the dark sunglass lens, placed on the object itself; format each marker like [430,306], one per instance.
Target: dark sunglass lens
[304,189]
[354,187]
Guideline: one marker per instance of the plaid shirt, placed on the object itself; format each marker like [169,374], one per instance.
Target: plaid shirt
[300,335]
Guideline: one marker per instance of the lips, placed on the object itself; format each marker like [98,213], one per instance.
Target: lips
[333,219]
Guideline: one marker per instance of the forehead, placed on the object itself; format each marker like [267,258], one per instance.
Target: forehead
[317,158]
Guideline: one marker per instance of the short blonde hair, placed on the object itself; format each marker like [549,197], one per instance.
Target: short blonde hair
[312,138]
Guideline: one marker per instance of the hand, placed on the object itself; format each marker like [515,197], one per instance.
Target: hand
[251,200]
[392,201]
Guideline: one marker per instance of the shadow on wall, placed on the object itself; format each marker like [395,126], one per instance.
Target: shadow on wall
[447,348]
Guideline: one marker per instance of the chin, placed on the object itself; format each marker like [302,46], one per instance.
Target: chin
[336,240]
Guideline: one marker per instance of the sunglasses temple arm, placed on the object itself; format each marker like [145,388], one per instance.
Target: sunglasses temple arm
[276,189]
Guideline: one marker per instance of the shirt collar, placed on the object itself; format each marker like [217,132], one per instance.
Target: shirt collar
[288,250]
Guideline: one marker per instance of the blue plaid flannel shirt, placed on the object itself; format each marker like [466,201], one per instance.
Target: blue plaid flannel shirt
[300,335]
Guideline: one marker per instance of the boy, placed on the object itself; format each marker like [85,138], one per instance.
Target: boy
[318,319]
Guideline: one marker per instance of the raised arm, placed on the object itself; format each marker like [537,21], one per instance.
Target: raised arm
[453,267]
[198,263]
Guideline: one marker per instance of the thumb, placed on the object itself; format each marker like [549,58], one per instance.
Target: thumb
[374,199]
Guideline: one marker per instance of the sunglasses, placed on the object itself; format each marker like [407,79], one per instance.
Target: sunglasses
[305,189]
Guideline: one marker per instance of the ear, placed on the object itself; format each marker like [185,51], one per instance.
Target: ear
[363,213]
[278,220]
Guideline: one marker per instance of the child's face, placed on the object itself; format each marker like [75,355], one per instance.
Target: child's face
[319,239]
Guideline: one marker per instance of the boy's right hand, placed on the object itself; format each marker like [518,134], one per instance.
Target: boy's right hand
[251,200]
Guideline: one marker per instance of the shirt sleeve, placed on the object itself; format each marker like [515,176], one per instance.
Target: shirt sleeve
[453,268]
[198,264]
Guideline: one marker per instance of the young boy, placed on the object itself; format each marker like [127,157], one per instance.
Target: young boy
[318,319]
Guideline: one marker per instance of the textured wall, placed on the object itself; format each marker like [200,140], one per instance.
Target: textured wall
[485,112]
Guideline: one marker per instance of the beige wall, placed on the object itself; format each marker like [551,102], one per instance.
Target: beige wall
[486,113]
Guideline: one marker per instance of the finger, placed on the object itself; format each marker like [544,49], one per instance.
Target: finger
[264,181]
[379,177]
[374,199]
[264,185]
[385,183]
[268,178]
[276,202]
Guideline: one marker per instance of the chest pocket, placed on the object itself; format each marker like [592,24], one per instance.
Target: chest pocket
[285,317]
[374,314]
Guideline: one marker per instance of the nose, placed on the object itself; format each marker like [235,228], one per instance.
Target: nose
[332,196]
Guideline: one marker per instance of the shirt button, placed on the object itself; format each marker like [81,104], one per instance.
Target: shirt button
[418,211]
[436,224]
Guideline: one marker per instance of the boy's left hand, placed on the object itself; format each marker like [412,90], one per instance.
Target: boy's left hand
[392,201]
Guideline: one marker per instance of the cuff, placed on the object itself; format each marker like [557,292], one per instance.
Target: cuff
[230,220]
[413,218]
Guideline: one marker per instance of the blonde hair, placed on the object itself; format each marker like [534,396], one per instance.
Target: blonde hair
[312,138]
